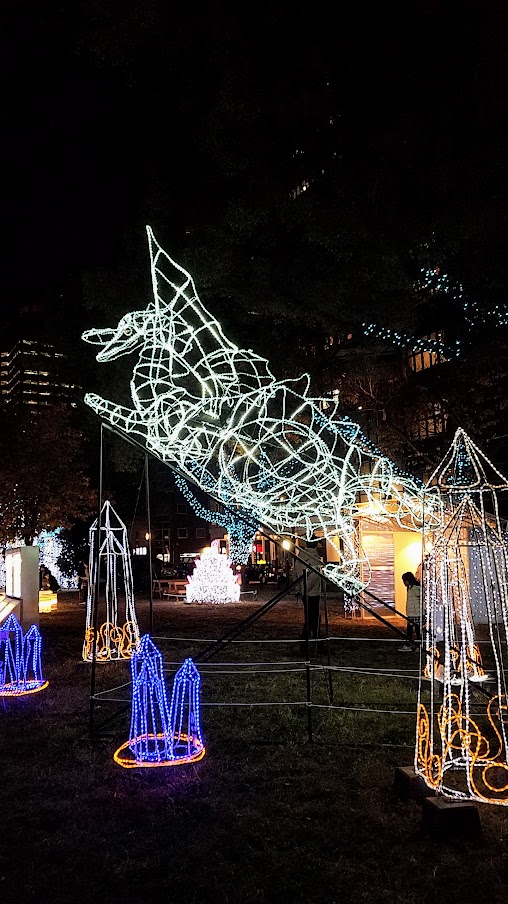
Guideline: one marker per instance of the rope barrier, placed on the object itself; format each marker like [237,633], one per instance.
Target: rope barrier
[277,640]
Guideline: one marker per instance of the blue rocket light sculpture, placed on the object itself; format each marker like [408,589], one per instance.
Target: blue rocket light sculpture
[162,734]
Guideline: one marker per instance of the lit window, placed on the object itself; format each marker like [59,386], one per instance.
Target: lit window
[420,360]
[432,422]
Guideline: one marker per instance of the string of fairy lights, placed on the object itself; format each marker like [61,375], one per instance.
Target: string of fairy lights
[259,445]
[241,529]
[212,580]
[50,553]
[437,282]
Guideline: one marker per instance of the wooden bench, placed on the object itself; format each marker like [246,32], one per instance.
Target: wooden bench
[174,590]
[159,586]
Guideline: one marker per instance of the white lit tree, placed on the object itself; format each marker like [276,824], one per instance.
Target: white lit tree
[212,580]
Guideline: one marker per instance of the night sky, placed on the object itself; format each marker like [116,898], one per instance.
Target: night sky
[116,114]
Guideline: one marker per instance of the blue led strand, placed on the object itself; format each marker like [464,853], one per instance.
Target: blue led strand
[241,532]
[32,648]
[184,711]
[20,660]
[437,282]
[162,734]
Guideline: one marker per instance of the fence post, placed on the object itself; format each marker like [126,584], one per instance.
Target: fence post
[307,655]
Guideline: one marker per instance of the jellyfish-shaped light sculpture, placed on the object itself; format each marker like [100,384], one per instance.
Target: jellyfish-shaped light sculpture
[462,726]
[162,734]
[20,660]
[117,637]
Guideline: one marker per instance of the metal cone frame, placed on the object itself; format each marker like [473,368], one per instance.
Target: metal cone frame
[115,640]
[462,725]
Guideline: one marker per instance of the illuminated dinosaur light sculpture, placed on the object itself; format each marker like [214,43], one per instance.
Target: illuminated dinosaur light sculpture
[462,739]
[218,414]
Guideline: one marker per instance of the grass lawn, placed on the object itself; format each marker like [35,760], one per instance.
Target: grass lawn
[264,817]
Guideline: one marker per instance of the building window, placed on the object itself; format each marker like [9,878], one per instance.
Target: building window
[419,360]
[181,508]
[432,422]
[182,533]
[200,533]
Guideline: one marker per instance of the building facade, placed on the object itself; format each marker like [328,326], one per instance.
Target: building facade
[34,372]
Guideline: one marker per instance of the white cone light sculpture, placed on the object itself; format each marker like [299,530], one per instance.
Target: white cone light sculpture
[117,635]
[461,745]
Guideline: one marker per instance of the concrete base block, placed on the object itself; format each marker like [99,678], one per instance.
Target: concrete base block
[446,819]
[409,786]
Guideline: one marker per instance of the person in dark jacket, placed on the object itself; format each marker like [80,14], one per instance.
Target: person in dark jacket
[308,555]
[413,610]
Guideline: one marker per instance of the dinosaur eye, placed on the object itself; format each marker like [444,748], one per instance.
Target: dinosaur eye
[127,331]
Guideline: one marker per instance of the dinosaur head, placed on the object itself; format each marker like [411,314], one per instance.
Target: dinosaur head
[127,336]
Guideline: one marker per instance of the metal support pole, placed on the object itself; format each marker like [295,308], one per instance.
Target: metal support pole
[96,594]
[307,654]
[150,573]
[328,655]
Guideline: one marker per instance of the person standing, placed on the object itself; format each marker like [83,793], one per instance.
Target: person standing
[83,576]
[413,610]
[308,556]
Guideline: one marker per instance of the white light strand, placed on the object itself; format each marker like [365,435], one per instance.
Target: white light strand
[115,640]
[50,550]
[218,414]
[465,586]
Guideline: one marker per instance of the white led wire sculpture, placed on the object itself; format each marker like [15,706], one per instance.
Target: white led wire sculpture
[115,640]
[461,745]
[216,413]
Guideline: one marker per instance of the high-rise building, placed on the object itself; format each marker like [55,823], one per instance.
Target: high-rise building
[34,372]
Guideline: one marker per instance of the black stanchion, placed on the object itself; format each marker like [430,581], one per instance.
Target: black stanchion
[307,654]
[96,595]
[150,572]
[328,653]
